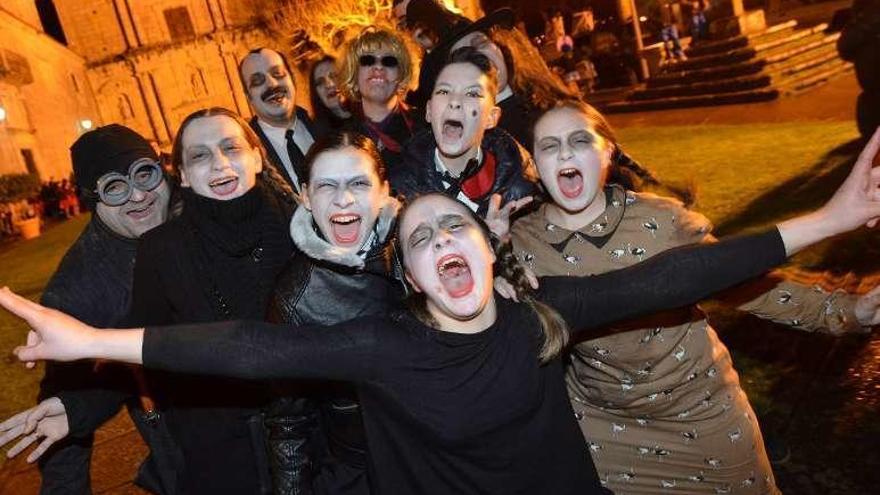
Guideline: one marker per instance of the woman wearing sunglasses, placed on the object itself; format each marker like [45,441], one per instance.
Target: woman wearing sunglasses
[375,72]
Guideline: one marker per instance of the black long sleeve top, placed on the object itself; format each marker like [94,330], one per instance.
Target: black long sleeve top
[466,413]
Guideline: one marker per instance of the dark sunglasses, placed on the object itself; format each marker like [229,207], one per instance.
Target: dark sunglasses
[388,61]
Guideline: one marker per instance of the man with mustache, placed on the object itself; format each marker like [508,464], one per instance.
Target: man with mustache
[284,128]
[120,180]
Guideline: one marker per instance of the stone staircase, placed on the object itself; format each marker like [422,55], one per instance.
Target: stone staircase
[778,61]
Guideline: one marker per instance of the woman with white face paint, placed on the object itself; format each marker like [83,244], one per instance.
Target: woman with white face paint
[344,267]
[462,393]
[660,404]
[328,104]
[215,261]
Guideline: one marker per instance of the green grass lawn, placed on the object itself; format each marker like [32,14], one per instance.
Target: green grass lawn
[25,267]
[733,165]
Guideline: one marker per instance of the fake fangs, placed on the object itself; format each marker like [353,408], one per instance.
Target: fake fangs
[455,275]
[571,182]
[345,228]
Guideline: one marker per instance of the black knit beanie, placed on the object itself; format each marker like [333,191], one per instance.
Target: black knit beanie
[112,148]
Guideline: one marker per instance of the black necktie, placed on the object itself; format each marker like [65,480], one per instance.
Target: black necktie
[297,159]
[472,167]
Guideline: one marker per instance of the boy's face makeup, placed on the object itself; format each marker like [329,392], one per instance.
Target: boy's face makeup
[447,257]
[483,44]
[218,160]
[345,196]
[461,108]
[572,159]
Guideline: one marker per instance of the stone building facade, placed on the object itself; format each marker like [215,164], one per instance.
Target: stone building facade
[152,62]
[45,96]
[142,63]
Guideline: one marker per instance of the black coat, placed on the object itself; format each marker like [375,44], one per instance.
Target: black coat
[93,283]
[272,154]
[518,117]
[860,43]
[323,285]
[217,261]
[515,174]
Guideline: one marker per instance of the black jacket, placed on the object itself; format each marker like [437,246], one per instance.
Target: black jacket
[515,174]
[93,283]
[392,134]
[324,285]
[518,117]
[860,43]
[272,153]
[216,261]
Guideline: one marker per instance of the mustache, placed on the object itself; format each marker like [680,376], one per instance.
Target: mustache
[269,93]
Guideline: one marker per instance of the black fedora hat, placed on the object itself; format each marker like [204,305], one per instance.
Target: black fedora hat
[434,60]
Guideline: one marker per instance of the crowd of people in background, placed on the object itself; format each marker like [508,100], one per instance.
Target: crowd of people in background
[56,200]
[411,288]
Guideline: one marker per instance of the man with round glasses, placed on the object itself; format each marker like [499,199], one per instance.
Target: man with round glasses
[121,181]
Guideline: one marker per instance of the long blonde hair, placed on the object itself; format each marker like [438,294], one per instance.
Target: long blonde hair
[372,39]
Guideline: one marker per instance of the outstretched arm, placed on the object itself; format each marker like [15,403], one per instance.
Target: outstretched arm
[242,349]
[674,278]
[685,275]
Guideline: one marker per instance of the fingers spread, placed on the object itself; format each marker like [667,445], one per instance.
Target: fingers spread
[41,449]
[11,434]
[17,420]
[23,444]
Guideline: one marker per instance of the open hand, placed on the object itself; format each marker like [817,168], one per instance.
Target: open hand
[46,420]
[53,335]
[867,308]
[498,218]
[857,201]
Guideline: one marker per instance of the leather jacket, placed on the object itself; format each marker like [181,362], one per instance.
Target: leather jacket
[325,285]
[515,174]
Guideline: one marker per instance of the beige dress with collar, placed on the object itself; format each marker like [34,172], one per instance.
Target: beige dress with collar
[658,400]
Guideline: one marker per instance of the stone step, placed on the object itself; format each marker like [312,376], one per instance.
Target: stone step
[727,85]
[751,96]
[708,74]
[723,45]
[740,55]
[809,79]
[778,55]
[760,74]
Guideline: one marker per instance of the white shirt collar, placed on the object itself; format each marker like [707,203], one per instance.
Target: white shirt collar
[503,94]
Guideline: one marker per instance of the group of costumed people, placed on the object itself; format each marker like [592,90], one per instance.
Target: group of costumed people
[456,290]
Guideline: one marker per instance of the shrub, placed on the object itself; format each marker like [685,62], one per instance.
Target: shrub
[16,187]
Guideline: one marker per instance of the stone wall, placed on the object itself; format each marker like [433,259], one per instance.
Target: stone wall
[160,60]
[45,94]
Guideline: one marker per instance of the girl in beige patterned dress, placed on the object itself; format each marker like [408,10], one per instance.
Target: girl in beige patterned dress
[658,400]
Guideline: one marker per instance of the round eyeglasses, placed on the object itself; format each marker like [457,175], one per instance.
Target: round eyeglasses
[115,189]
